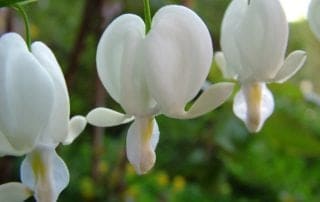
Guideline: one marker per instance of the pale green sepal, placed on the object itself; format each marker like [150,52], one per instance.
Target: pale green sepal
[291,65]
[104,117]
[14,192]
[76,125]
[210,99]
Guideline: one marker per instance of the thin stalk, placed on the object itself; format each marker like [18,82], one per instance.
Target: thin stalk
[147,15]
[26,24]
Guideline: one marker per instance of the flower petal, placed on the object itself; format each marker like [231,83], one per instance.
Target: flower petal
[76,125]
[250,48]
[104,117]
[57,128]
[210,99]
[14,192]
[119,64]
[314,17]
[26,91]
[142,139]
[178,55]
[253,104]
[291,65]
[224,68]
[44,172]
[6,148]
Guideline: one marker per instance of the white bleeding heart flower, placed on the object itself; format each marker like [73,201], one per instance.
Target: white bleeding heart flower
[314,17]
[153,73]
[254,40]
[34,117]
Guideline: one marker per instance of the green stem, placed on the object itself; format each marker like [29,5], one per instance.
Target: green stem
[26,24]
[147,15]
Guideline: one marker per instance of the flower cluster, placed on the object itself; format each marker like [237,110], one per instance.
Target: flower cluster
[148,72]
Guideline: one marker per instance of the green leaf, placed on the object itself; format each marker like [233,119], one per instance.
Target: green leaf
[8,3]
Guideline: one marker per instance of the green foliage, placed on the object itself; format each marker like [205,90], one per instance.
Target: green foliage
[8,3]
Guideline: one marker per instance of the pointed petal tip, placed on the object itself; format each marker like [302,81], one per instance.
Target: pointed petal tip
[146,164]
[14,192]
[253,104]
[104,117]
[293,63]
[142,139]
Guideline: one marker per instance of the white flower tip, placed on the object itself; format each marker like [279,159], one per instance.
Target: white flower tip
[45,173]
[147,161]
[104,117]
[76,125]
[253,105]
[142,138]
[14,192]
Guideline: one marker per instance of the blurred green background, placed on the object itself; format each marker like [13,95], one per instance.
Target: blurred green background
[211,158]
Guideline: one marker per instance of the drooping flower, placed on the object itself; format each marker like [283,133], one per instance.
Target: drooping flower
[155,73]
[314,17]
[254,40]
[34,117]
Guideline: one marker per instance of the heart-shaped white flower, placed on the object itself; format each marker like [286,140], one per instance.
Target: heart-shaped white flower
[157,72]
[254,40]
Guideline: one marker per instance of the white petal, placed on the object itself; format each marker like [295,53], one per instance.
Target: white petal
[253,104]
[44,172]
[6,148]
[57,129]
[210,99]
[26,91]
[250,48]
[119,63]
[142,139]
[227,72]
[178,56]
[104,117]
[14,192]
[314,17]
[291,65]
[76,125]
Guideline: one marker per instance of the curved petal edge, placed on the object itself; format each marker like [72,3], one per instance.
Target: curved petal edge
[14,192]
[104,117]
[142,139]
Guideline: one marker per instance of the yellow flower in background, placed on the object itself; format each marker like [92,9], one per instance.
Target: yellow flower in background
[178,183]
[162,179]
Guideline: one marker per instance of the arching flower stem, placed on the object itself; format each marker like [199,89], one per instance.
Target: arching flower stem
[24,15]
